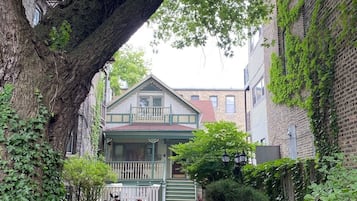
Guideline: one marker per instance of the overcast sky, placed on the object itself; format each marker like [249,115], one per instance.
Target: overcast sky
[192,67]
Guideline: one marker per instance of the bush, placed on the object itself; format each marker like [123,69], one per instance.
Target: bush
[340,182]
[229,190]
[87,176]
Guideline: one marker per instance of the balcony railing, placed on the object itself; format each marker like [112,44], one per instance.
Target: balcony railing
[150,114]
[138,170]
[135,193]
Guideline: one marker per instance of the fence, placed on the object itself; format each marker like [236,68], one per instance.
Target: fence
[131,193]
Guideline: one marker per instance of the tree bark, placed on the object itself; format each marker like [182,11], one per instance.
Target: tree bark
[63,77]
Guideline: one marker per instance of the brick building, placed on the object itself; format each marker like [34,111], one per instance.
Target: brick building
[228,104]
[289,127]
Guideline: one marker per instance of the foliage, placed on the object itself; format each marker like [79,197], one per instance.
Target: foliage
[97,116]
[201,156]
[303,76]
[87,176]
[59,38]
[129,66]
[340,184]
[272,177]
[192,22]
[229,190]
[26,152]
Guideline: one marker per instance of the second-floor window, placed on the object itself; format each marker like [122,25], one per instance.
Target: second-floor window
[150,105]
[214,101]
[195,97]
[258,91]
[230,104]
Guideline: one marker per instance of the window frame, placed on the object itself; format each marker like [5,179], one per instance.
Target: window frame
[214,103]
[229,111]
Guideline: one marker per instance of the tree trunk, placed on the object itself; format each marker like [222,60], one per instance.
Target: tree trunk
[63,78]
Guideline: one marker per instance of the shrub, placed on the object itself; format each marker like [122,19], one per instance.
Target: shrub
[229,190]
[340,182]
[87,176]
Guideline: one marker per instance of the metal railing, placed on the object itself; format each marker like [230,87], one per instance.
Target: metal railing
[138,170]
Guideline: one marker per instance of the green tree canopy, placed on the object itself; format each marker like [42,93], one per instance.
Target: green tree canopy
[191,22]
[129,66]
[201,156]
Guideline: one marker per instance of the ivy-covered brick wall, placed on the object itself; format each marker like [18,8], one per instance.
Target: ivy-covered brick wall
[280,117]
[320,76]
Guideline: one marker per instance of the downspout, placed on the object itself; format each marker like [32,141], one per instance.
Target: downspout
[245,108]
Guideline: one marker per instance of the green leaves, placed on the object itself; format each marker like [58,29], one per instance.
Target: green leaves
[303,75]
[201,157]
[60,37]
[87,174]
[340,181]
[129,67]
[27,155]
[191,23]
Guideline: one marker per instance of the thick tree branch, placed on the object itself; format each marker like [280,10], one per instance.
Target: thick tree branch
[96,49]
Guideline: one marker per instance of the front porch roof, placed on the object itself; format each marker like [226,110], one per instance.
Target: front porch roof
[152,130]
[151,127]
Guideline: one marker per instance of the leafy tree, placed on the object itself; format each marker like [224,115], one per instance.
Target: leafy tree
[201,157]
[98,28]
[87,176]
[129,66]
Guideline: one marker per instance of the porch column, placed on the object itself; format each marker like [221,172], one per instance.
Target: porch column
[153,141]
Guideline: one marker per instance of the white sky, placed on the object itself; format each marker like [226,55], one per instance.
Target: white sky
[192,67]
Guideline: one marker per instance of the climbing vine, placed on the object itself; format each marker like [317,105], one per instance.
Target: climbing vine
[27,162]
[96,126]
[303,76]
[273,177]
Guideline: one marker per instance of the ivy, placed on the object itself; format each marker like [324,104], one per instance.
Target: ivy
[60,37]
[307,81]
[97,116]
[26,156]
[273,177]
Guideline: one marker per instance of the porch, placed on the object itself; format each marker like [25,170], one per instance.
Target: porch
[139,170]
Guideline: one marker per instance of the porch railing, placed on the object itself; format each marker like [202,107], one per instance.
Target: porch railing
[131,193]
[138,170]
[151,114]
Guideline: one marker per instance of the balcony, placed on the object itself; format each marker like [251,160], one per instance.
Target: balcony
[138,170]
[151,115]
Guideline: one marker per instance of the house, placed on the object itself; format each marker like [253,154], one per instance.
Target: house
[141,125]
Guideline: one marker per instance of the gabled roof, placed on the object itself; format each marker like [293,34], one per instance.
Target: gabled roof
[150,78]
[206,109]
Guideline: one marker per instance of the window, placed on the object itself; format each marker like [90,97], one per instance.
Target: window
[150,101]
[195,97]
[133,152]
[230,104]
[255,38]
[258,91]
[70,149]
[150,105]
[37,15]
[214,101]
